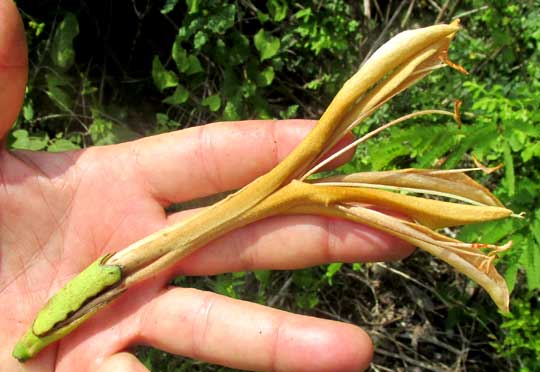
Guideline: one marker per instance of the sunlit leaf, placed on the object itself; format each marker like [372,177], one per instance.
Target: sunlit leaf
[56,91]
[213,102]
[163,78]
[180,95]
[106,132]
[25,141]
[277,9]
[62,144]
[62,52]
[265,77]
[266,44]
[169,6]
[193,6]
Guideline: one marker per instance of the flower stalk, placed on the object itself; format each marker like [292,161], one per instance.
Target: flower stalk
[398,64]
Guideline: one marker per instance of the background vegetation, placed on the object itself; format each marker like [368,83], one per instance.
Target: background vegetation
[105,72]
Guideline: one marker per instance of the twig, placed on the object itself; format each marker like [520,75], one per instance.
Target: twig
[436,342]
[453,8]
[469,12]
[441,13]
[410,360]
[435,5]
[407,14]
[378,41]
[378,8]
[271,302]
[332,315]
[408,277]
[378,367]
[367,9]
[485,61]
[372,290]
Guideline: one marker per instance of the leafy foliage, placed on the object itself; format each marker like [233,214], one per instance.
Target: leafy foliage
[249,61]
[522,342]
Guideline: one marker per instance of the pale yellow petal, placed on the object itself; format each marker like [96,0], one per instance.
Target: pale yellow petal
[429,179]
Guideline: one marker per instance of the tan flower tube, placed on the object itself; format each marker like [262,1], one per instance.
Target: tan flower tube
[398,64]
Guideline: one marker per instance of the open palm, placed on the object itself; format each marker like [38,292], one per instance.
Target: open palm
[59,212]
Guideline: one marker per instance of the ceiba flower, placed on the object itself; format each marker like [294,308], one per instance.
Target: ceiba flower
[286,189]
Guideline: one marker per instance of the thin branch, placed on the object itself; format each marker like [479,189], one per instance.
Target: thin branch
[378,41]
[469,12]
[441,13]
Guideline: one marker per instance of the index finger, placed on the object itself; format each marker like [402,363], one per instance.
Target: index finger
[208,159]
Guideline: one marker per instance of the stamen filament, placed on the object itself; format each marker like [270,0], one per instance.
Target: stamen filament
[492,247]
[428,69]
[450,171]
[371,134]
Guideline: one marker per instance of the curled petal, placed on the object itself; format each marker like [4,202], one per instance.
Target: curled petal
[434,214]
[465,258]
[399,63]
[450,182]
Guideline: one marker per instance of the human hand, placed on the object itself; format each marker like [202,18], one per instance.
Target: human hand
[61,211]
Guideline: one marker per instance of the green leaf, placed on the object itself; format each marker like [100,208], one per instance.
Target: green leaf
[200,39]
[248,89]
[290,112]
[306,278]
[263,276]
[37,27]
[28,110]
[179,56]
[262,17]
[62,144]
[531,151]
[266,44]
[194,65]
[213,102]
[56,93]
[240,50]
[165,124]
[510,275]
[62,52]
[180,95]
[88,88]
[316,83]
[163,78]
[304,14]
[383,154]
[532,256]
[193,6]
[225,284]
[308,284]
[106,132]
[440,144]
[169,6]
[24,141]
[332,270]
[307,300]
[231,111]
[223,20]
[277,9]
[265,77]
[509,170]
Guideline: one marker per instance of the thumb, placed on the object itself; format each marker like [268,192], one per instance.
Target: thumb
[13,65]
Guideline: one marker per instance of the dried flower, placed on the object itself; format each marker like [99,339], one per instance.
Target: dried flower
[397,65]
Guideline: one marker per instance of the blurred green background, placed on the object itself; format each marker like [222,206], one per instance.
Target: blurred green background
[109,71]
